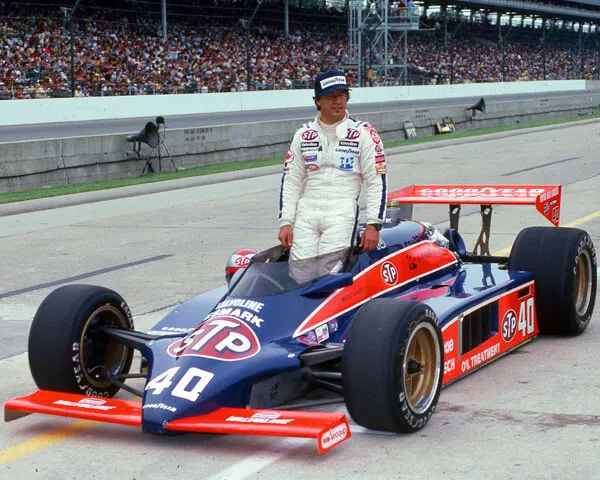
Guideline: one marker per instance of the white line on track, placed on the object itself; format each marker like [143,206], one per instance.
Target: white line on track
[255,463]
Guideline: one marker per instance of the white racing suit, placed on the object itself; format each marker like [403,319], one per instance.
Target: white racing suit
[322,182]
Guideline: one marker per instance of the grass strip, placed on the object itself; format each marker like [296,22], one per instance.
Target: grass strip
[46,192]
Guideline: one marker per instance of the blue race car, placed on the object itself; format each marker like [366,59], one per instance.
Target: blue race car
[381,331]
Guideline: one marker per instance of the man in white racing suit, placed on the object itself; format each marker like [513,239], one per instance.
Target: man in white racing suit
[330,160]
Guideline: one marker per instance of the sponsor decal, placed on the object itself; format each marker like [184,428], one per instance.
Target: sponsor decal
[509,325]
[167,330]
[224,338]
[310,158]
[346,143]
[380,169]
[86,403]
[346,163]
[334,436]
[322,333]
[352,151]
[261,417]
[312,167]
[309,144]
[478,358]
[331,81]
[352,134]
[160,406]
[373,133]
[517,324]
[333,326]
[237,307]
[310,135]
[549,194]
[379,158]
[289,157]
[378,148]
[389,274]
[480,191]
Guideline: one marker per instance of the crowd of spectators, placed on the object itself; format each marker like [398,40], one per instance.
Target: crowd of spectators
[122,52]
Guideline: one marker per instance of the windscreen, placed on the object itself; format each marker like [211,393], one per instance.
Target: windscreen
[269,272]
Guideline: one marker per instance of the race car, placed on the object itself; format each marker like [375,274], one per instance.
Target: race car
[381,331]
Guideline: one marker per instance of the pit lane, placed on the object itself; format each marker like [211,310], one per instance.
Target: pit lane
[532,414]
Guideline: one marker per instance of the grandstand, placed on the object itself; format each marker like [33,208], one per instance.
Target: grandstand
[135,47]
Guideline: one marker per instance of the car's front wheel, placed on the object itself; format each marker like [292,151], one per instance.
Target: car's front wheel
[68,352]
[392,365]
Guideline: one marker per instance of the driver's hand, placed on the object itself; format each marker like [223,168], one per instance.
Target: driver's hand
[286,235]
[369,238]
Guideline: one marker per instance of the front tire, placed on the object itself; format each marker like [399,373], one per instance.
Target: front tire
[392,365]
[67,352]
[563,263]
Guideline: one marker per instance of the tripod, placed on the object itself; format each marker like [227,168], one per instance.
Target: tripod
[161,138]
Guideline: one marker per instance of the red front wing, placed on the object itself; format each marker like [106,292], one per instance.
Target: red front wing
[329,429]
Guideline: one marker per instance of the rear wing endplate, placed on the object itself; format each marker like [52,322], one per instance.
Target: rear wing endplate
[546,198]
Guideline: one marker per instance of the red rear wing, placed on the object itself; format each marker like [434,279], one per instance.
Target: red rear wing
[546,198]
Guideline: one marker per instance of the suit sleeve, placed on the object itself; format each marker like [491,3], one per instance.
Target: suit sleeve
[292,182]
[374,173]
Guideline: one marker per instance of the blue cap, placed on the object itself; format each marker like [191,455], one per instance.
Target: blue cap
[331,81]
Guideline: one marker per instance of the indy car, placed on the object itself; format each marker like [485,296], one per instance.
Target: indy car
[381,331]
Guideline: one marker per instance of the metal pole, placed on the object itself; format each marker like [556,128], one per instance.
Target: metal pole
[248,26]
[72,33]
[286,14]
[247,58]
[164,20]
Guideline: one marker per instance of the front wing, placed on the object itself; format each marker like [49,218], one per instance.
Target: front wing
[329,429]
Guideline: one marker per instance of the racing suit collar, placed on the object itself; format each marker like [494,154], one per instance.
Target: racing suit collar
[340,127]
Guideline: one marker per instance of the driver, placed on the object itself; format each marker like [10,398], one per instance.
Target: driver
[330,160]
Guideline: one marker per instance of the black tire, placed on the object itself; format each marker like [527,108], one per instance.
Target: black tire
[563,263]
[67,353]
[392,365]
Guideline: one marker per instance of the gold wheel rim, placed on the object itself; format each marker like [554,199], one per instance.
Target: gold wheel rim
[421,368]
[583,283]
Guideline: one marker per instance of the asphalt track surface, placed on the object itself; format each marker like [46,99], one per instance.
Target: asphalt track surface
[533,414]
[133,125]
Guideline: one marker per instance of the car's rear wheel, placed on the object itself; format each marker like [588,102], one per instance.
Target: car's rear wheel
[563,263]
[392,365]
[68,352]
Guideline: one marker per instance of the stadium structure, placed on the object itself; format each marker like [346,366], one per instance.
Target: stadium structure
[382,42]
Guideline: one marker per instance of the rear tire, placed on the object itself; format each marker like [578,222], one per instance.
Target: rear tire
[392,365]
[563,263]
[66,351]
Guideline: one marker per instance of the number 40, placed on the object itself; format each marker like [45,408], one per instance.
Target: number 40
[191,385]
[527,317]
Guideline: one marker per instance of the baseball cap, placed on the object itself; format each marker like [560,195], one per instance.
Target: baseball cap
[330,81]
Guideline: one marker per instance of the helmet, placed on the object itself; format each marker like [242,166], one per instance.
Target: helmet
[238,261]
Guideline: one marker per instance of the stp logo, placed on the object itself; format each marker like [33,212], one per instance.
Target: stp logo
[375,137]
[310,135]
[389,273]
[509,325]
[241,261]
[352,134]
[222,338]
